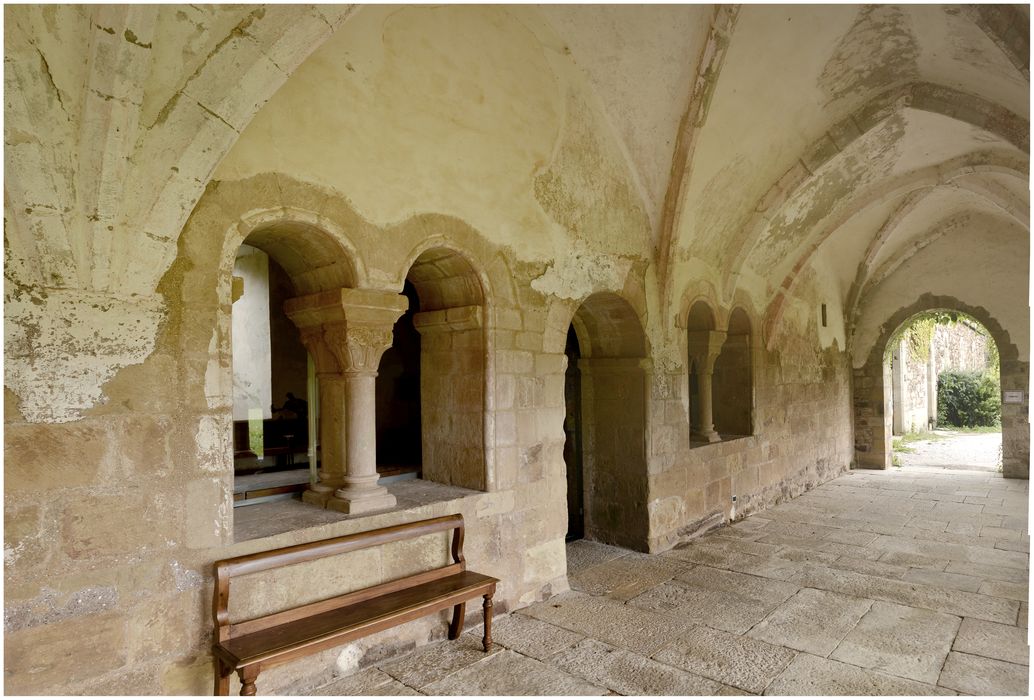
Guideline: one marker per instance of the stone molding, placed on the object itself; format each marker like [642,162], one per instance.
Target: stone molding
[457,318]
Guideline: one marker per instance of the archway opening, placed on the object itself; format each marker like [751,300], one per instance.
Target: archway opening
[703,343]
[275,407]
[449,318]
[733,386]
[573,440]
[943,395]
[607,404]
[398,398]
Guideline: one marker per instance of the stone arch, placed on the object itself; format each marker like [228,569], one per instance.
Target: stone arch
[938,99]
[733,383]
[700,322]
[455,365]
[612,373]
[316,262]
[905,184]
[608,327]
[872,418]
[315,259]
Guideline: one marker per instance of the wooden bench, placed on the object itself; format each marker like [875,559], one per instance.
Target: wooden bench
[249,646]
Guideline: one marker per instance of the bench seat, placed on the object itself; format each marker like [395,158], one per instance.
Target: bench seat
[249,646]
[340,625]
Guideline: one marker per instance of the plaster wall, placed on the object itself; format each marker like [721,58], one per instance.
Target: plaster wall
[252,347]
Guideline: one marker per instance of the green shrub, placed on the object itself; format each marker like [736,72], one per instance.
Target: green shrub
[968,399]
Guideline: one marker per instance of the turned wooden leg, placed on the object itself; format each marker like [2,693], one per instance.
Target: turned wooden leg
[487,641]
[222,678]
[456,628]
[248,676]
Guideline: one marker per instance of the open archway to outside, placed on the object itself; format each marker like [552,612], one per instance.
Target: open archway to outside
[606,397]
[945,393]
[873,389]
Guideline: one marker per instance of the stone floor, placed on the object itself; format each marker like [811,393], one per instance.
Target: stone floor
[904,582]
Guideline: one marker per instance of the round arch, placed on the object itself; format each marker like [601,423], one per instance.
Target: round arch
[872,417]
[607,399]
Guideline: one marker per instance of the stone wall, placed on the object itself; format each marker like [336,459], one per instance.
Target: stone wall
[957,346]
[158,457]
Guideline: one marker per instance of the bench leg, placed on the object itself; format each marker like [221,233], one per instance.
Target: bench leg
[487,641]
[248,676]
[222,678]
[456,627]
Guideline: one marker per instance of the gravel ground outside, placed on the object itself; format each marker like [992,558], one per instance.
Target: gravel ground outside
[957,451]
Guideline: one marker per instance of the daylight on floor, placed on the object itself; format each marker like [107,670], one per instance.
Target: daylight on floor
[516,349]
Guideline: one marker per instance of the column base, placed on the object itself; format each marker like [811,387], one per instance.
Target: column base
[363,504]
[710,436]
[317,498]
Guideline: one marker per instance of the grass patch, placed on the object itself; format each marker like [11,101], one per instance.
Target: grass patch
[908,438]
[973,430]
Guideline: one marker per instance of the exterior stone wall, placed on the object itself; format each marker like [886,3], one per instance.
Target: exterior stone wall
[959,347]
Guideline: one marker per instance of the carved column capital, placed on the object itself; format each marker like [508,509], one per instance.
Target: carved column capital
[346,330]
[358,348]
[704,348]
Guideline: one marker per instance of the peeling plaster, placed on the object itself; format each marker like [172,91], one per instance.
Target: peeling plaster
[878,50]
[581,271]
[62,346]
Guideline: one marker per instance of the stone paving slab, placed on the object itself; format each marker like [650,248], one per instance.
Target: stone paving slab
[1002,642]
[726,600]
[369,681]
[869,567]
[959,603]
[509,673]
[627,576]
[977,675]
[852,537]
[996,573]
[914,560]
[1003,589]
[812,621]
[738,661]
[942,579]
[610,621]
[581,554]
[435,661]
[900,641]
[814,675]
[630,674]
[532,637]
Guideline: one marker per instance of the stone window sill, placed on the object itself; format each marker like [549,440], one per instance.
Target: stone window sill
[275,518]
[725,439]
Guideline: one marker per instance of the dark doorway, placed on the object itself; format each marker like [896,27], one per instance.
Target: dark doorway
[573,442]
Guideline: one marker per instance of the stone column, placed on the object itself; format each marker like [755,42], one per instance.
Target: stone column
[704,347]
[347,331]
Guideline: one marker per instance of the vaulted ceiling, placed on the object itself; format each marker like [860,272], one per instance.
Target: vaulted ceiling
[758,142]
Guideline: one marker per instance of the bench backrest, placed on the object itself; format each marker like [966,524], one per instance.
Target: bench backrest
[311,551]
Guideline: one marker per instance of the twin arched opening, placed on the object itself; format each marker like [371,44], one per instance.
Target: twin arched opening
[383,386]
[720,375]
